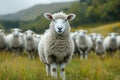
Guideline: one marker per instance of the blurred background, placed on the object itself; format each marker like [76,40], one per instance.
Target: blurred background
[95,15]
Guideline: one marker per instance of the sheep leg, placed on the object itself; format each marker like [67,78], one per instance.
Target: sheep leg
[86,54]
[48,70]
[54,70]
[62,71]
[81,54]
[32,55]
[29,56]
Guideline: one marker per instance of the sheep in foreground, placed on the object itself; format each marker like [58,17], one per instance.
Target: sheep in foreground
[56,46]
[84,43]
[14,41]
[29,43]
[110,43]
[2,40]
[100,50]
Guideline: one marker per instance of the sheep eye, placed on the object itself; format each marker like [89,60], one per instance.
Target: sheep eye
[54,20]
[65,20]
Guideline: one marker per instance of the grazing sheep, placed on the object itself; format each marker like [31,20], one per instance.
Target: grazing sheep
[110,43]
[2,40]
[56,46]
[14,41]
[100,50]
[118,42]
[84,43]
[93,38]
[29,43]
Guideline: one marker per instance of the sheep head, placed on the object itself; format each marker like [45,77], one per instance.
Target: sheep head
[59,21]
[16,32]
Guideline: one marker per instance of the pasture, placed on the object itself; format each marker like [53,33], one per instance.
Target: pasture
[95,68]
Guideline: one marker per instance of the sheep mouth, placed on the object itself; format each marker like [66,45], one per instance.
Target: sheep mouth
[59,32]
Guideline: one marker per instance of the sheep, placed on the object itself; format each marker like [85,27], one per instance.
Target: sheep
[14,41]
[29,43]
[100,50]
[37,38]
[118,42]
[84,44]
[110,43]
[2,40]
[74,40]
[56,46]
[93,37]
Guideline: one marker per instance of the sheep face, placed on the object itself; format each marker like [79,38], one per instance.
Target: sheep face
[113,36]
[38,37]
[1,32]
[29,34]
[16,32]
[82,33]
[93,36]
[59,21]
[59,25]
[99,40]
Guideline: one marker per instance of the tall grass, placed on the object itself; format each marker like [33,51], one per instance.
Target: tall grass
[95,68]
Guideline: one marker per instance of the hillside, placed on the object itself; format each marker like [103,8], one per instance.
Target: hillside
[35,11]
[103,29]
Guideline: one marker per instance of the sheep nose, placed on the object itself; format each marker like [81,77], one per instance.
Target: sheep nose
[59,29]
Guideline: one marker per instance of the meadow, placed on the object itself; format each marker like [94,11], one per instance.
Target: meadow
[95,68]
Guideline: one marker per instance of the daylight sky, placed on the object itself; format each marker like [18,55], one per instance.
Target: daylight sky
[11,6]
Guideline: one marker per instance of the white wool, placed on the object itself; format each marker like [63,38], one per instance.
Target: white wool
[2,40]
[53,44]
[118,42]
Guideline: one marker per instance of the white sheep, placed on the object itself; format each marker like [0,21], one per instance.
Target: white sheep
[37,38]
[110,43]
[84,44]
[74,37]
[100,49]
[118,42]
[2,40]
[56,46]
[14,40]
[29,43]
[93,38]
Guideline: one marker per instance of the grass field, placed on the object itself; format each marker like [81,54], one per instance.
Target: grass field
[95,68]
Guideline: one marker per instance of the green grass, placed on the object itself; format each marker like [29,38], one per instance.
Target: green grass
[95,68]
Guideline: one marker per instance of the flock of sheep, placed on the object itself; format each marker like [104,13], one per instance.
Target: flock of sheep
[57,45]
[95,42]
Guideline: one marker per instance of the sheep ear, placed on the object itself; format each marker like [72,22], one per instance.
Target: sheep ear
[86,31]
[116,34]
[33,33]
[91,35]
[12,30]
[24,32]
[20,30]
[48,16]
[71,17]
[3,31]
